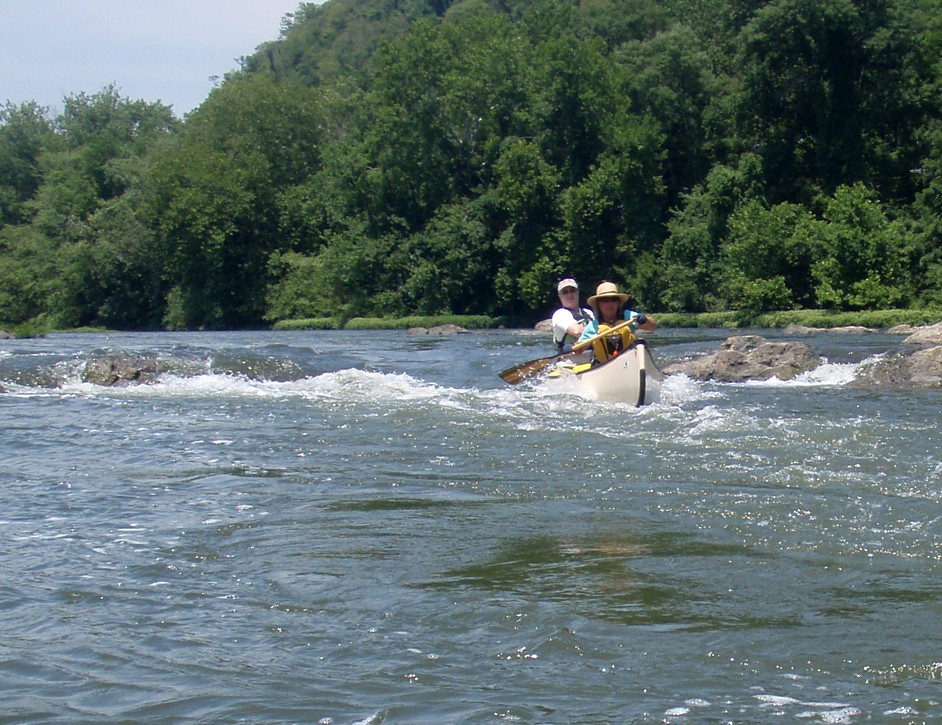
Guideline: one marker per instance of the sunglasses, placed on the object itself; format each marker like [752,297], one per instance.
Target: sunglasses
[570,291]
[609,299]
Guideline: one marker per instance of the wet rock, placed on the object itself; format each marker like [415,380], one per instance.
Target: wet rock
[852,330]
[902,330]
[750,357]
[437,330]
[121,370]
[4,335]
[544,326]
[928,335]
[921,369]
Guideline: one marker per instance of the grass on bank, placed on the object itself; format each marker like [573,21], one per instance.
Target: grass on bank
[875,319]
[806,318]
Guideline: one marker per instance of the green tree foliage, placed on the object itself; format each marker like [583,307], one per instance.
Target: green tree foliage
[691,254]
[451,264]
[831,95]
[767,258]
[66,255]
[669,78]
[214,198]
[926,254]
[860,262]
[25,132]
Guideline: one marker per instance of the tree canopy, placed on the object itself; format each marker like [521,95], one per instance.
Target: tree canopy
[459,156]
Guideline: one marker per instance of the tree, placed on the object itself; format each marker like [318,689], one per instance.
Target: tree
[832,95]
[859,262]
[926,255]
[669,79]
[767,258]
[690,256]
[451,264]
[25,134]
[525,198]
[68,260]
[575,95]
[213,198]
[204,204]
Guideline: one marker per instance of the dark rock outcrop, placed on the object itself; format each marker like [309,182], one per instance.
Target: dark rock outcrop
[921,369]
[120,369]
[750,357]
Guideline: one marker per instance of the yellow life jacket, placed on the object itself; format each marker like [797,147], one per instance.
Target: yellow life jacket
[608,346]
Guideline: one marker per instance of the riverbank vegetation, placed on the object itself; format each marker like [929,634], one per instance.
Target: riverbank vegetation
[874,319]
[739,159]
[393,323]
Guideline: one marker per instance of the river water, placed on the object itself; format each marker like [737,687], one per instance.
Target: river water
[363,528]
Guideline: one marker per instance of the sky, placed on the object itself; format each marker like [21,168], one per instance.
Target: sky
[153,50]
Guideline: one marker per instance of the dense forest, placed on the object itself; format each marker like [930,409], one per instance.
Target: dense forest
[400,157]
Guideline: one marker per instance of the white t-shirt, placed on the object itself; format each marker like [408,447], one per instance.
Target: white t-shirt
[562,319]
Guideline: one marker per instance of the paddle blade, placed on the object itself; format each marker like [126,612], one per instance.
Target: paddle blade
[519,373]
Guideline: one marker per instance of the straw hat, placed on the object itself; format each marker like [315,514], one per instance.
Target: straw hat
[607,289]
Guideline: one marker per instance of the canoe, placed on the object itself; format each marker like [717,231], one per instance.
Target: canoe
[630,377]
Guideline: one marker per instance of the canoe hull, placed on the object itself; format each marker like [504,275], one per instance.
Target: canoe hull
[631,377]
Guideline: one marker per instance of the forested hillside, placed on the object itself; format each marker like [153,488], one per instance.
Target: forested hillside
[394,157]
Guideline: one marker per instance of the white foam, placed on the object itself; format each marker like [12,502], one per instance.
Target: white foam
[825,375]
[348,384]
[677,389]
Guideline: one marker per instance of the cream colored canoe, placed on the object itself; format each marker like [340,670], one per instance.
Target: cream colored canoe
[629,377]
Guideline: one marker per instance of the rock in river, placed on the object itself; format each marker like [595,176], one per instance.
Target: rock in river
[921,369]
[750,357]
[120,370]
[438,330]
[928,335]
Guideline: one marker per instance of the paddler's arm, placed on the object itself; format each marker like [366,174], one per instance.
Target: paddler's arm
[591,330]
[640,321]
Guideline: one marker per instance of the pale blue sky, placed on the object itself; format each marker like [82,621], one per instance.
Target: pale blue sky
[154,50]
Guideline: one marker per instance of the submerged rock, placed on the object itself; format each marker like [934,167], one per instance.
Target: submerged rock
[750,357]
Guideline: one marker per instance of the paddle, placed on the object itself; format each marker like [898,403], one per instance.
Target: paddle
[519,373]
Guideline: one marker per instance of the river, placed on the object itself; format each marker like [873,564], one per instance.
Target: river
[371,527]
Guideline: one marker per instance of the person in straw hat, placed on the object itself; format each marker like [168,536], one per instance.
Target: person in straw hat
[571,318]
[610,310]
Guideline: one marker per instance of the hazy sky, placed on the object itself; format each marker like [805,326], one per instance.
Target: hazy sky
[154,50]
